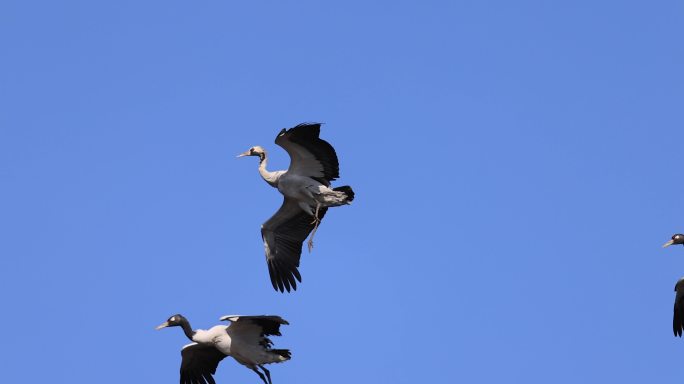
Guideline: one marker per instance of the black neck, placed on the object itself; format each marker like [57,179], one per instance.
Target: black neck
[189,333]
[262,157]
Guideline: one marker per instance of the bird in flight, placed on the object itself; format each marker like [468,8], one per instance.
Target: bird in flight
[307,193]
[678,317]
[245,339]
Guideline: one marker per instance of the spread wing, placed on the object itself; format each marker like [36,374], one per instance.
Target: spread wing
[309,155]
[283,235]
[199,364]
[254,329]
[678,317]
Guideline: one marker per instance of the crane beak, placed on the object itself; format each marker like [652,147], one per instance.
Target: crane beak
[244,154]
[162,325]
[668,243]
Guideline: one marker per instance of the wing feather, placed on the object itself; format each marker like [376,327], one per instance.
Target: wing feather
[283,235]
[199,363]
[678,316]
[309,155]
[255,329]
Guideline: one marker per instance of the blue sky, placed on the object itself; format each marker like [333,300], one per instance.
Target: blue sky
[517,166]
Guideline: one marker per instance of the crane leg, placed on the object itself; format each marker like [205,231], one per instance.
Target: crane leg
[316,222]
[261,375]
[267,372]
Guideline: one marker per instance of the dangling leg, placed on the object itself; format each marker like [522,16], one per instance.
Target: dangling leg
[261,375]
[268,374]
[316,222]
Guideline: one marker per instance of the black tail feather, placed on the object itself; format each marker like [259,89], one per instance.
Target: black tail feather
[285,353]
[347,191]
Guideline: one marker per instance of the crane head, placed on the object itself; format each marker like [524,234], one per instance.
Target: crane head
[676,239]
[254,151]
[173,321]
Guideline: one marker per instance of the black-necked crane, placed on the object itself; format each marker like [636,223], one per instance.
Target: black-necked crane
[678,316]
[245,339]
[307,193]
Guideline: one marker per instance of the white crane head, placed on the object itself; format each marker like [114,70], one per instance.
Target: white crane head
[254,151]
[173,321]
[676,239]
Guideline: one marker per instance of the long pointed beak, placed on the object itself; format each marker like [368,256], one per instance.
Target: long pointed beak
[668,243]
[243,154]
[162,325]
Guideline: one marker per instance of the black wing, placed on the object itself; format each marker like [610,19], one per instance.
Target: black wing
[678,317]
[283,235]
[309,155]
[199,364]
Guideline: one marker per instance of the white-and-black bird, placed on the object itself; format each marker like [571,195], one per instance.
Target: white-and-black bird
[678,316]
[245,339]
[307,195]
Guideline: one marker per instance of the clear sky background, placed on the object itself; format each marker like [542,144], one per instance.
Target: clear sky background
[517,164]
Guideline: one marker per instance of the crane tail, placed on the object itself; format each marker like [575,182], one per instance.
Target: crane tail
[348,191]
[283,354]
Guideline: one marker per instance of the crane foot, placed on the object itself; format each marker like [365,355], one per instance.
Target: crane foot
[313,232]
